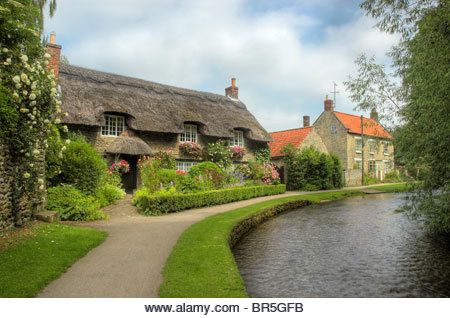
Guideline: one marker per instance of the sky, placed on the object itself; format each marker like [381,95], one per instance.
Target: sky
[285,54]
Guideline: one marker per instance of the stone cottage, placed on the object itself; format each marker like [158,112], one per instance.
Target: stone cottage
[299,138]
[126,118]
[362,144]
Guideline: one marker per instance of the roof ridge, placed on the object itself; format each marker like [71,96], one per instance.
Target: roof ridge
[357,116]
[309,127]
[169,88]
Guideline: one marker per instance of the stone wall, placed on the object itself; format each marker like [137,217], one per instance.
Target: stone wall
[6,216]
[159,141]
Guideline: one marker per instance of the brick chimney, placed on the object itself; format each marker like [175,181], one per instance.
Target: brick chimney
[328,104]
[55,52]
[306,121]
[233,90]
[374,114]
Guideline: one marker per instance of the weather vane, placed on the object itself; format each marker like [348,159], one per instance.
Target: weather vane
[334,93]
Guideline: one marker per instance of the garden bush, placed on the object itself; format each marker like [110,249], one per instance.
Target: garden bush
[219,153]
[208,173]
[72,204]
[82,166]
[155,204]
[108,194]
[309,169]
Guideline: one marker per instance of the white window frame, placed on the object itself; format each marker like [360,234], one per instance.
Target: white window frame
[359,162]
[372,146]
[238,138]
[114,125]
[190,133]
[386,148]
[185,165]
[374,163]
[387,166]
[358,141]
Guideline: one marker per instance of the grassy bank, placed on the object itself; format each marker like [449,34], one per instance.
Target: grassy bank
[202,264]
[38,255]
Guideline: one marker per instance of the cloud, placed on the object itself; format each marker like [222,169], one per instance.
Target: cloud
[200,44]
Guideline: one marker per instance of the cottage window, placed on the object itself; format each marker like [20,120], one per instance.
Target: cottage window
[387,166]
[238,138]
[372,146]
[114,125]
[333,129]
[386,148]
[371,165]
[185,165]
[358,144]
[189,134]
[358,163]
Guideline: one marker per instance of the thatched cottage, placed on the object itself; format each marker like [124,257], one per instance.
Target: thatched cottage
[125,118]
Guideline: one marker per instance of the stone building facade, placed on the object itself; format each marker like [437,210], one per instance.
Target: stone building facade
[362,144]
[127,118]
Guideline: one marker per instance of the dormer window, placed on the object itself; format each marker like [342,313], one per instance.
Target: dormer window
[238,139]
[114,125]
[189,134]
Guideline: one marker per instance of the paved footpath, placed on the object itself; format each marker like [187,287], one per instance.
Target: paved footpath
[130,261]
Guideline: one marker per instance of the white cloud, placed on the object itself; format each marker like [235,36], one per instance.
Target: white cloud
[203,43]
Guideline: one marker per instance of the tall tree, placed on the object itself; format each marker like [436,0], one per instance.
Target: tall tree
[42,4]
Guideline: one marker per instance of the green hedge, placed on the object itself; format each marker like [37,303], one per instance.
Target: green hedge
[156,204]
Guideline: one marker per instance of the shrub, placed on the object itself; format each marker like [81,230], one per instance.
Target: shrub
[72,204]
[271,175]
[154,204]
[208,173]
[109,194]
[309,169]
[262,155]
[149,173]
[82,166]
[166,159]
[218,153]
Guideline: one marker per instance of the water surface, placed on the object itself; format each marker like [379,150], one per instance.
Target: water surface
[356,247]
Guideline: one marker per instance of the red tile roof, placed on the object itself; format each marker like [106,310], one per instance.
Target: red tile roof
[286,137]
[370,127]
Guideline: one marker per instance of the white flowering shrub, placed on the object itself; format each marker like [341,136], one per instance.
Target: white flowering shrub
[30,102]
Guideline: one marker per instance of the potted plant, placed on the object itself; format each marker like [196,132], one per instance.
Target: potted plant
[191,149]
[237,152]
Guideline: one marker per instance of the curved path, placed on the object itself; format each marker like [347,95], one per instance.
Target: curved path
[130,261]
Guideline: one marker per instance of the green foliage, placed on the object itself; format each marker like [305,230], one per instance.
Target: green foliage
[309,169]
[72,204]
[262,155]
[153,204]
[149,168]
[108,194]
[82,166]
[166,159]
[53,158]
[219,153]
[208,173]
[48,250]
[9,116]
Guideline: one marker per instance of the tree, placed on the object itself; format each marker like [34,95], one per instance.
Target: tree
[421,61]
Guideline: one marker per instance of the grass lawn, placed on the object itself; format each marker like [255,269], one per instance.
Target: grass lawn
[38,255]
[202,264]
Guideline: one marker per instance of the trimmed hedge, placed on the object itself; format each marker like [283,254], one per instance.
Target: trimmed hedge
[156,204]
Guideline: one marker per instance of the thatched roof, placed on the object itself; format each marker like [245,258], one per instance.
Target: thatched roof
[88,94]
[129,146]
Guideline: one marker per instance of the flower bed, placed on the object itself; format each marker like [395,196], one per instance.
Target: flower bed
[156,204]
[237,152]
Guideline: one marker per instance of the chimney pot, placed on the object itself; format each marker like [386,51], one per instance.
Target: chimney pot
[328,104]
[306,121]
[233,90]
[53,38]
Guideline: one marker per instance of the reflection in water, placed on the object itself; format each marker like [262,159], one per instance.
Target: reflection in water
[357,247]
